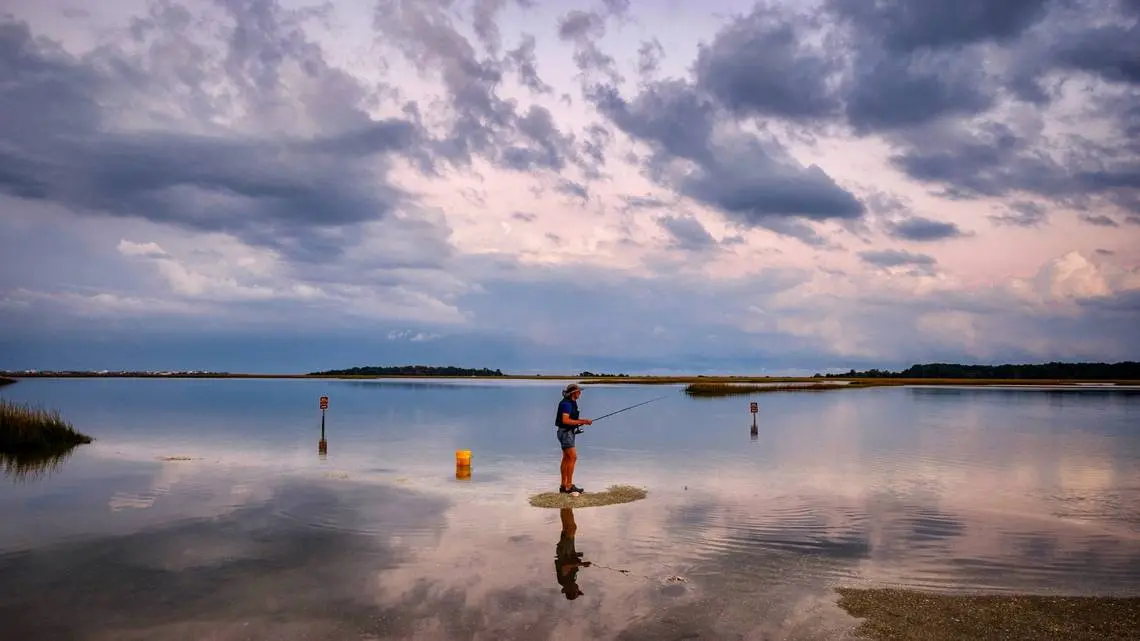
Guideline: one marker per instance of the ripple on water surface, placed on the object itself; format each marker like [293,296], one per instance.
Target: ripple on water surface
[966,492]
[898,539]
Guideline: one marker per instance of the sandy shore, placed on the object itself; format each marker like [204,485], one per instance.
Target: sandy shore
[902,615]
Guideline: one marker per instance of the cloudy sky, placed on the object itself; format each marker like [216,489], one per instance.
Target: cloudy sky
[617,185]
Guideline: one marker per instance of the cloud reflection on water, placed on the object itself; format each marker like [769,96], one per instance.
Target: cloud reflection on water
[347,557]
[865,487]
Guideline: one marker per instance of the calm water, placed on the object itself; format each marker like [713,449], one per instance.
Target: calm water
[976,490]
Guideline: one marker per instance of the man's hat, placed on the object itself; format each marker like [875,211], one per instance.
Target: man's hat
[570,389]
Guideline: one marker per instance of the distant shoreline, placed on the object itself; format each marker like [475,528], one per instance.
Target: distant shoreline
[829,382]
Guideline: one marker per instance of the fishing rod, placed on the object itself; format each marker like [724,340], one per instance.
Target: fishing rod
[595,420]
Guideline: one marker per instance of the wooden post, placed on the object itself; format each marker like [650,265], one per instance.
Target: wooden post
[323,446]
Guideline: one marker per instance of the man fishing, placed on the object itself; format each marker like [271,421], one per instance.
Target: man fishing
[568,424]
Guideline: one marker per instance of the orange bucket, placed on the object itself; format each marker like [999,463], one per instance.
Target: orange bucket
[462,458]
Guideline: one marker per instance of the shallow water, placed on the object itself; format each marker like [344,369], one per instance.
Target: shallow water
[260,536]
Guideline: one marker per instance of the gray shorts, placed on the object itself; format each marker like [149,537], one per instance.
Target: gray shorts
[566,437]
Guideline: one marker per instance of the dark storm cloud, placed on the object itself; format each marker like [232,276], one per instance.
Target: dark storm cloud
[483,22]
[571,188]
[376,138]
[921,74]
[640,202]
[905,26]
[424,34]
[885,66]
[522,60]
[911,62]
[548,148]
[761,64]
[579,25]
[484,18]
[884,203]
[896,258]
[59,142]
[674,119]
[688,232]
[482,122]
[918,228]
[750,184]
[794,229]
[649,57]
[748,179]
[990,160]
[1099,220]
[1129,203]
[1109,51]
[616,7]
[584,29]
[1021,214]
[890,91]
[993,160]
[879,66]
[594,146]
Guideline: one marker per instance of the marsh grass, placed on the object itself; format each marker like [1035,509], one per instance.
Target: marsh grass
[728,387]
[614,495]
[878,382]
[853,381]
[733,389]
[678,380]
[26,429]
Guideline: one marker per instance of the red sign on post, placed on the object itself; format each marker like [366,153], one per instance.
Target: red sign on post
[754,407]
[324,402]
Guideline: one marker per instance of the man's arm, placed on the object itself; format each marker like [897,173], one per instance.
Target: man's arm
[566,420]
[573,422]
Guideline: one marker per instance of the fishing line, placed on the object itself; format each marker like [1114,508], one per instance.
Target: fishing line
[594,420]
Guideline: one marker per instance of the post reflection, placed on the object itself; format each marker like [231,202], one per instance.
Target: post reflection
[567,558]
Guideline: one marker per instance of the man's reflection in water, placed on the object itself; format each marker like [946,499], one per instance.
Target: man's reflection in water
[567,560]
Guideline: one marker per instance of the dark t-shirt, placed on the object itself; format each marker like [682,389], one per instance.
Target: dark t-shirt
[567,406]
[566,563]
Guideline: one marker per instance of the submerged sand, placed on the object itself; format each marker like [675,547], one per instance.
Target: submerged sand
[613,495]
[903,615]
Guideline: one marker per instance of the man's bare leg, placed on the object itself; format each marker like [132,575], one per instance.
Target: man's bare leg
[569,458]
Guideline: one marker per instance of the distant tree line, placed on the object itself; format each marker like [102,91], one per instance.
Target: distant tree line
[589,374]
[1125,370]
[410,370]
